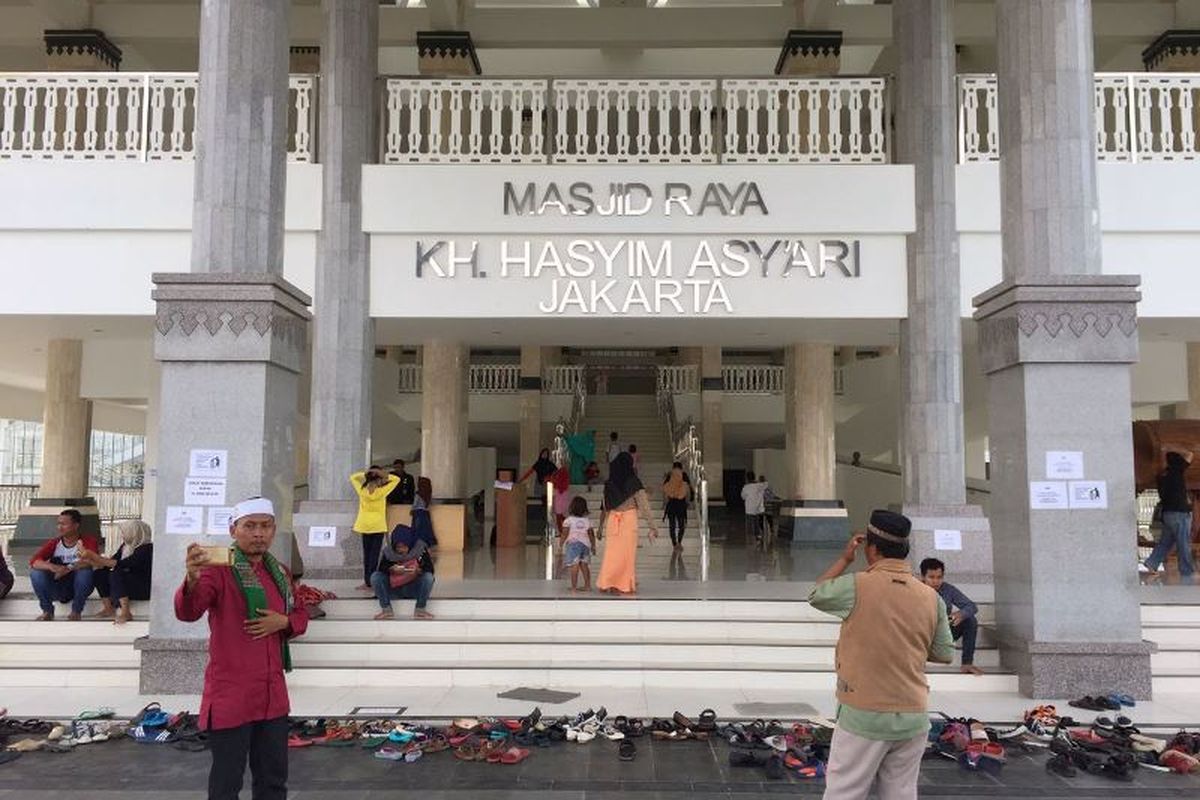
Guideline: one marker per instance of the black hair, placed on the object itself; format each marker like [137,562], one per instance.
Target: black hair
[74,514]
[613,436]
[932,563]
[677,465]
[399,462]
[888,549]
[578,506]
[749,476]
[633,448]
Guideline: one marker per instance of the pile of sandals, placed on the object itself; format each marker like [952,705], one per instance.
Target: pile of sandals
[801,749]
[151,725]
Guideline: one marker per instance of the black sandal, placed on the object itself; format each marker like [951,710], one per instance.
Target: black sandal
[707,721]
[626,750]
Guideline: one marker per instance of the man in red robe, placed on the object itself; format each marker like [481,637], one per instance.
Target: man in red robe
[251,617]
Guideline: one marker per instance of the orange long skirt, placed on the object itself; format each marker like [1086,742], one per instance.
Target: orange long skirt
[618,570]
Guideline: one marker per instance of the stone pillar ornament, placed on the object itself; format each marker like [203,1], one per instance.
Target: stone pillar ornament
[931,396]
[1056,340]
[238,342]
[447,54]
[810,53]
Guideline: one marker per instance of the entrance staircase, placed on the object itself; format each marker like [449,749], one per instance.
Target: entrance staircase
[501,639]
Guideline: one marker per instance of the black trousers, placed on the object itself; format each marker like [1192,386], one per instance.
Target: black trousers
[676,519]
[265,744]
[117,583]
[372,545]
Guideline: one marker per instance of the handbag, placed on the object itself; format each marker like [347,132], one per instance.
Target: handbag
[398,579]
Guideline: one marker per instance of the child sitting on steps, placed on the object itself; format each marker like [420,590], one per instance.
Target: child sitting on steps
[578,540]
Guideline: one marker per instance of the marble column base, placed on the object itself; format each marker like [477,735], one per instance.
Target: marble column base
[172,666]
[1074,669]
[344,559]
[814,523]
[971,564]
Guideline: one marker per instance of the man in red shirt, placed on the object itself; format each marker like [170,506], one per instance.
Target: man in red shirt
[56,571]
[251,617]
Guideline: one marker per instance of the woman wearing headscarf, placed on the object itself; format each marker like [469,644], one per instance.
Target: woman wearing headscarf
[624,499]
[675,493]
[544,467]
[404,553]
[125,575]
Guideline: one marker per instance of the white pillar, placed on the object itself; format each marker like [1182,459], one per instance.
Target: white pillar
[444,417]
[811,501]
[66,423]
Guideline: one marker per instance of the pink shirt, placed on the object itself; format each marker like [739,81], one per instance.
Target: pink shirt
[244,680]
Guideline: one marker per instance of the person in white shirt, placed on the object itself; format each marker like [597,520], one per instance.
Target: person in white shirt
[754,498]
[578,541]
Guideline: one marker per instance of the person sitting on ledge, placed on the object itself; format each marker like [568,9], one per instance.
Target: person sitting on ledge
[57,572]
[6,577]
[126,575]
[963,624]
[405,572]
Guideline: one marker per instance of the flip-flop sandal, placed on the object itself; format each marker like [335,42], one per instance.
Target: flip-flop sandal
[682,721]
[389,753]
[637,728]
[412,754]
[297,741]
[513,755]
[466,752]
[626,750]
[707,721]
[437,744]
[373,741]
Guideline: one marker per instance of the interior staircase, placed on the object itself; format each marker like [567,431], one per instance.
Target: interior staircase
[501,639]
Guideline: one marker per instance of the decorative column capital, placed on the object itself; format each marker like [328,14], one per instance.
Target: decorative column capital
[230,317]
[1065,319]
[83,49]
[810,53]
[1173,51]
[447,53]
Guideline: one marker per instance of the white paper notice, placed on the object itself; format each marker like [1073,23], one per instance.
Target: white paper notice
[1048,494]
[204,491]
[1064,465]
[947,540]
[185,520]
[322,536]
[208,464]
[1089,494]
[218,520]
[505,485]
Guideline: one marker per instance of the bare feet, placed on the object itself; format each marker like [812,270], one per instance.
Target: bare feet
[385,614]
[45,616]
[421,613]
[104,613]
[123,617]
[74,617]
[970,669]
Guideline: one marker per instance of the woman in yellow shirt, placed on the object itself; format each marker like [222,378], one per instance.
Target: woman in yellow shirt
[372,487]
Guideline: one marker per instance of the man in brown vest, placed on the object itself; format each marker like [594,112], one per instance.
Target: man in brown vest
[892,623]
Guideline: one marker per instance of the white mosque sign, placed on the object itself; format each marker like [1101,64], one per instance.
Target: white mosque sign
[624,275]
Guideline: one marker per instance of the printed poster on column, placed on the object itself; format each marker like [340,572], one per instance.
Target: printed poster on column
[185,520]
[208,463]
[204,491]
[1064,465]
[219,518]
[1048,495]
[1088,494]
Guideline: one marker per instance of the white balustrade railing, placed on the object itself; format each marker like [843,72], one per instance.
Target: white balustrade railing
[495,378]
[464,121]
[410,379]
[752,378]
[634,121]
[678,379]
[565,379]
[805,120]
[1139,117]
[122,116]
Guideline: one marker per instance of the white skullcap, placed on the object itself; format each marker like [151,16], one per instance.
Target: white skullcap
[255,505]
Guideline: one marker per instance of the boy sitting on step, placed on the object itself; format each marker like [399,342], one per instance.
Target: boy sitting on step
[578,540]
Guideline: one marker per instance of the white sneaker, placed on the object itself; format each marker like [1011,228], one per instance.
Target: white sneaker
[1142,568]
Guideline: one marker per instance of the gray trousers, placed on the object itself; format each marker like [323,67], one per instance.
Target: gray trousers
[855,763]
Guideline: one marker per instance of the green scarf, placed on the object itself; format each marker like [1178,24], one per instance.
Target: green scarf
[256,595]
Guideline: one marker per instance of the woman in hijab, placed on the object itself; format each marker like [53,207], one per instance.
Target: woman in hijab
[404,553]
[125,575]
[624,498]
[544,467]
[675,493]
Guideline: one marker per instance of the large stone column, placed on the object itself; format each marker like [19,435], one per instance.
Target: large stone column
[931,413]
[1056,340]
[444,418]
[66,440]
[232,332]
[1191,409]
[810,501]
[712,431]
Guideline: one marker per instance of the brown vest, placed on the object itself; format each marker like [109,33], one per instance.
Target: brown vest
[884,643]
